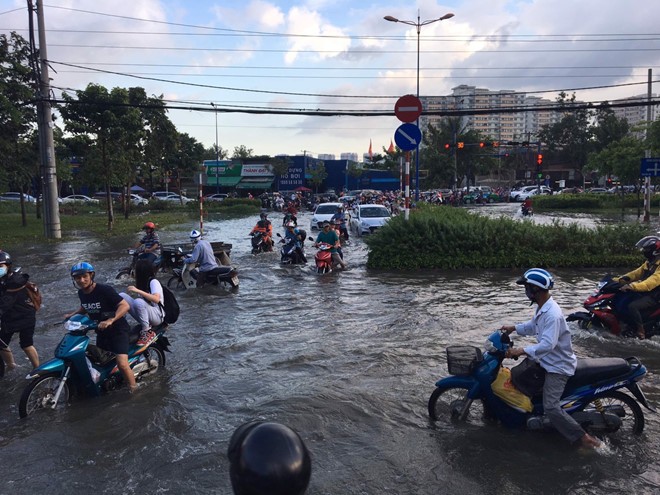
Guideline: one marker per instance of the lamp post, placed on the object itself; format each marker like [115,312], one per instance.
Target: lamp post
[418,25]
[217,151]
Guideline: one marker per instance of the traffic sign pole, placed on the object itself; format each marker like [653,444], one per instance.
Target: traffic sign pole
[406,207]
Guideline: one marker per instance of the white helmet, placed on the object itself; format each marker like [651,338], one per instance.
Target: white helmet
[195,235]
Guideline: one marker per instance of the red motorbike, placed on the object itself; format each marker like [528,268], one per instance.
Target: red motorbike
[605,308]
[323,258]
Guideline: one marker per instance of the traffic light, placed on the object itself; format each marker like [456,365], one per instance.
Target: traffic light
[496,144]
[460,145]
[485,144]
[447,146]
[539,159]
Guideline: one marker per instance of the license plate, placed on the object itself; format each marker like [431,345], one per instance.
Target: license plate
[234,280]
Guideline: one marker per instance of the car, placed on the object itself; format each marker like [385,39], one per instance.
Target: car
[597,190]
[16,196]
[80,198]
[216,197]
[487,196]
[322,213]
[365,219]
[516,195]
[102,195]
[138,200]
[170,196]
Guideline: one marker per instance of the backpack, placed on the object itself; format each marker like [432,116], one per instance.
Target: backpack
[170,306]
[33,293]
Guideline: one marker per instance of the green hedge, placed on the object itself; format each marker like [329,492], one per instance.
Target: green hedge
[585,201]
[453,238]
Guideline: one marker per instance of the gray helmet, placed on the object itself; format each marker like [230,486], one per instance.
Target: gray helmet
[649,246]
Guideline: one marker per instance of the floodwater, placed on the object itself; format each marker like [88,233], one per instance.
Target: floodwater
[348,360]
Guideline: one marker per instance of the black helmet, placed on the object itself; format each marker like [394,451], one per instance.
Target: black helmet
[649,246]
[268,458]
[263,216]
[5,258]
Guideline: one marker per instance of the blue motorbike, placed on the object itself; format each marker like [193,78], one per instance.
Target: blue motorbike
[83,369]
[595,396]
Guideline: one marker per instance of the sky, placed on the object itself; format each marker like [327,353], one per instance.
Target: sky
[338,56]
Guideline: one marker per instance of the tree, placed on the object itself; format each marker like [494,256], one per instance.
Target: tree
[608,128]
[18,151]
[317,172]
[280,165]
[242,152]
[571,139]
[621,158]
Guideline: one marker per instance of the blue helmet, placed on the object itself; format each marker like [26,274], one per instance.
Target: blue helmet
[81,268]
[538,277]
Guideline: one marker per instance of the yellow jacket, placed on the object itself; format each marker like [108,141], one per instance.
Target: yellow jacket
[643,279]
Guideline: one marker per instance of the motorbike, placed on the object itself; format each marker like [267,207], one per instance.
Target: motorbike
[259,244]
[83,369]
[293,250]
[526,211]
[129,271]
[605,307]
[323,258]
[186,276]
[595,396]
[289,217]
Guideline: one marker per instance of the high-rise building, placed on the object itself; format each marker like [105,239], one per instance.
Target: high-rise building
[637,114]
[326,156]
[349,156]
[504,126]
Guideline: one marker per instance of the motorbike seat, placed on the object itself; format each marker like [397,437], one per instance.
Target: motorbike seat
[591,370]
[220,271]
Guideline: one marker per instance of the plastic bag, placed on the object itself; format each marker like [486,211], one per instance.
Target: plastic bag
[93,371]
[505,390]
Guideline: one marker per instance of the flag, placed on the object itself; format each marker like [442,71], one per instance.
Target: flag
[391,148]
[371,154]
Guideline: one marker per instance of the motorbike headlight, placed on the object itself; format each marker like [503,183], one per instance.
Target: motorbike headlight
[72,326]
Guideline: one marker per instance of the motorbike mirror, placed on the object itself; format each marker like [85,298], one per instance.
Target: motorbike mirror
[278,235]
[310,238]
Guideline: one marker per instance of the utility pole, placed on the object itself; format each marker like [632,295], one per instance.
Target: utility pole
[647,154]
[52,227]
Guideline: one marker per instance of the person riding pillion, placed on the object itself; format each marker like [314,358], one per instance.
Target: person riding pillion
[644,283]
[265,227]
[17,313]
[147,307]
[150,242]
[553,352]
[298,236]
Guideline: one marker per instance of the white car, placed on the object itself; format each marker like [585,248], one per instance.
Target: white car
[216,197]
[170,196]
[534,192]
[522,194]
[80,198]
[16,196]
[138,200]
[365,219]
[323,213]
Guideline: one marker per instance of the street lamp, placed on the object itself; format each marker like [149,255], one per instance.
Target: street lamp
[418,25]
[217,151]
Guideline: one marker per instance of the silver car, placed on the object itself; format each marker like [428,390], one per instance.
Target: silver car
[365,219]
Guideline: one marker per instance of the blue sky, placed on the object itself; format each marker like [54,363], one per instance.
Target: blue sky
[338,55]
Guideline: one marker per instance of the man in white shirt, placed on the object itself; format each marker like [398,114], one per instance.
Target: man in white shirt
[553,352]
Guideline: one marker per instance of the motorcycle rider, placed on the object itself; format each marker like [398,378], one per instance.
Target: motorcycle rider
[202,254]
[265,227]
[339,219]
[17,313]
[644,282]
[151,243]
[102,304]
[526,207]
[299,236]
[554,352]
[147,308]
[329,236]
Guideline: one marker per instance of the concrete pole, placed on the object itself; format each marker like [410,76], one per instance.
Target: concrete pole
[647,154]
[52,227]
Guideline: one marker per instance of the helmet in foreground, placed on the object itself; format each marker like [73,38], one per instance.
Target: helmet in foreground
[268,458]
[81,268]
[5,258]
[149,225]
[649,246]
[538,277]
[195,235]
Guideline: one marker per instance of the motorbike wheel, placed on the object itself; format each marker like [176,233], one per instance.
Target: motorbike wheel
[446,403]
[2,368]
[156,358]
[175,283]
[632,422]
[39,395]
[124,273]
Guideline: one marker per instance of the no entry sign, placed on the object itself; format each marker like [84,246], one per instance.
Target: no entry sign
[408,108]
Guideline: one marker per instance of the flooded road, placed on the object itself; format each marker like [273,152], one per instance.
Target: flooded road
[348,360]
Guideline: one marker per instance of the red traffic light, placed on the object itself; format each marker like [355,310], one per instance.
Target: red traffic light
[539,159]
[447,146]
